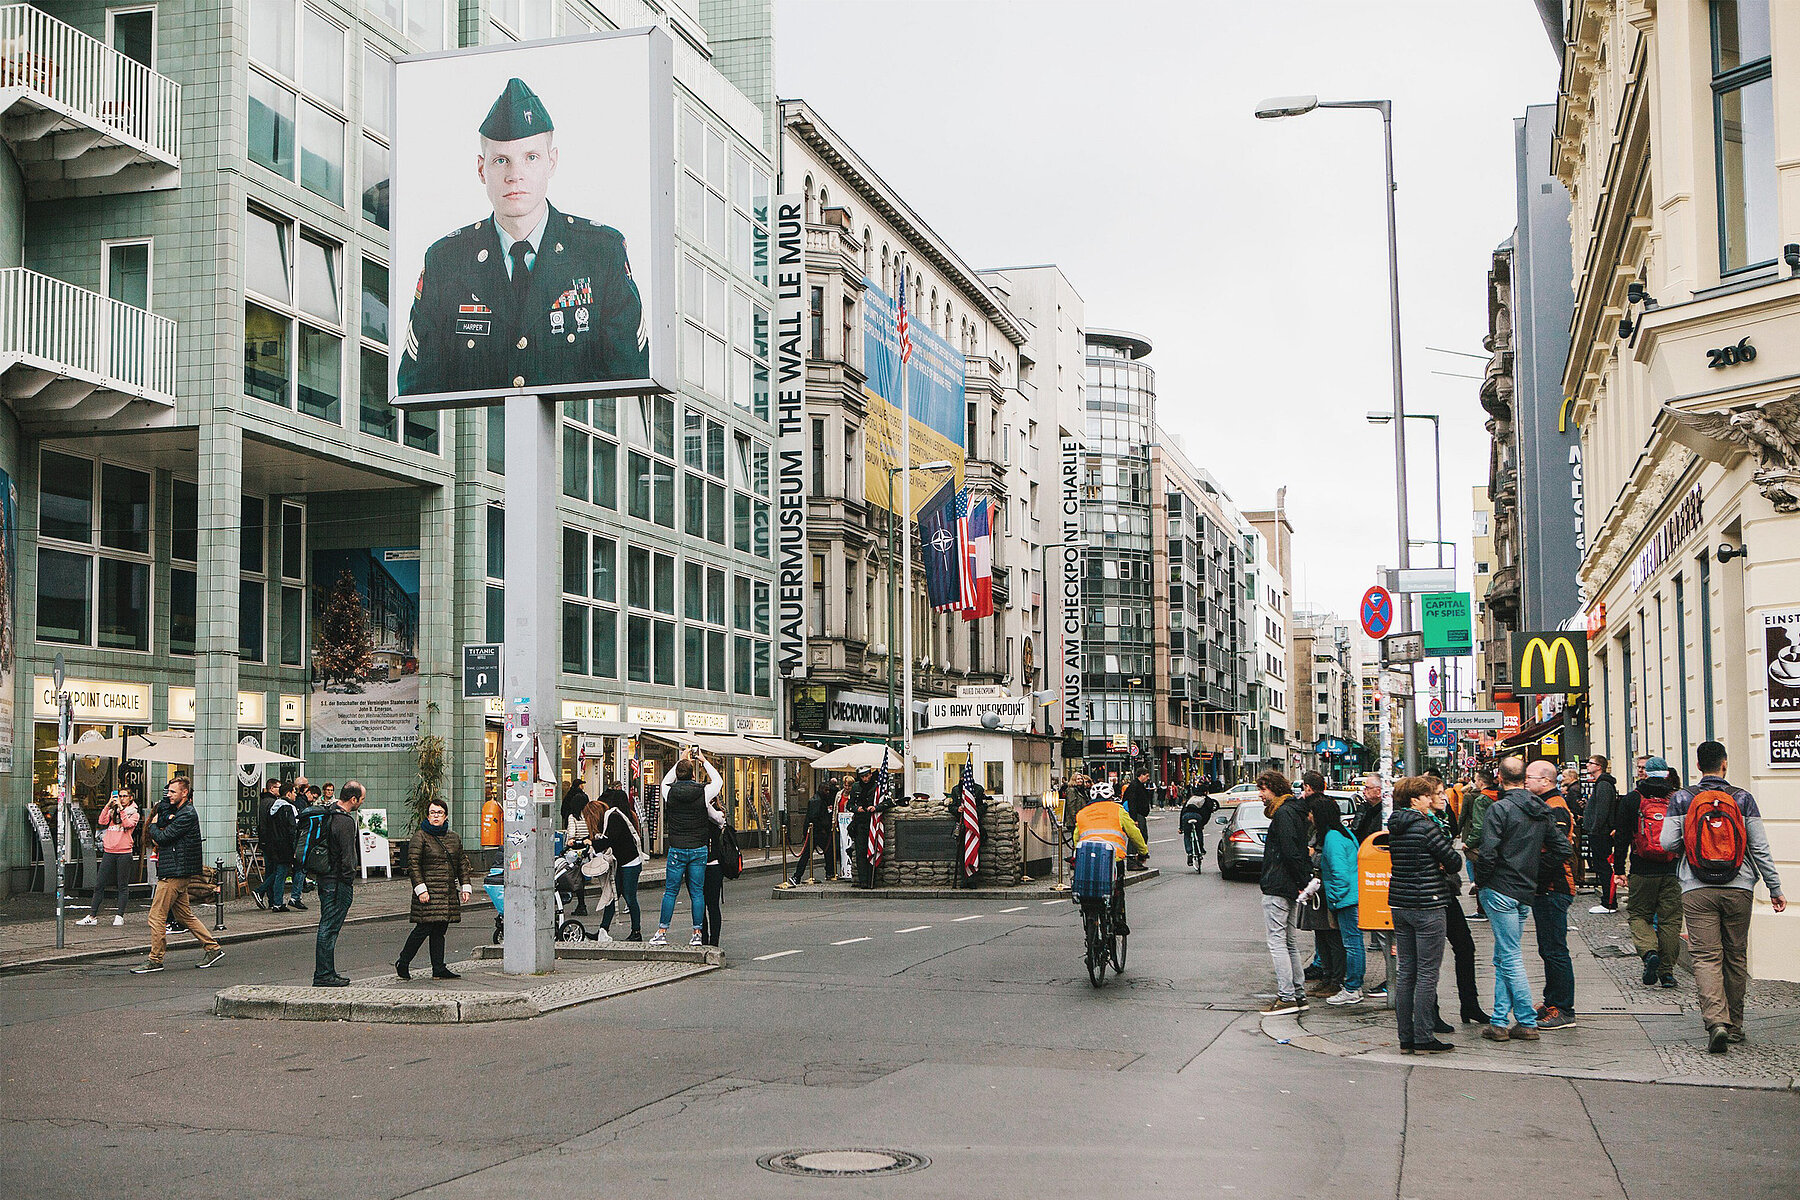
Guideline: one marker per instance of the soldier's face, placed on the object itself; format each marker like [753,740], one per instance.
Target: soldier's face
[517,174]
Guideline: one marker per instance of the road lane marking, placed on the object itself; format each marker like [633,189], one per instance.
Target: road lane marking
[777,954]
[976,917]
[1064,900]
[1021,908]
[912,929]
[852,941]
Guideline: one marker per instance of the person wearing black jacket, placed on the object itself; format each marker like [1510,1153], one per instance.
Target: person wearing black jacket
[1598,821]
[1286,870]
[865,795]
[276,826]
[179,857]
[1653,893]
[1518,834]
[817,834]
[342,855]
[1137,800]
[1422,883]
[1367,820]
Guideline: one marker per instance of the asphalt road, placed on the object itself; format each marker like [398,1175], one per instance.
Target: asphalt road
[954,1029]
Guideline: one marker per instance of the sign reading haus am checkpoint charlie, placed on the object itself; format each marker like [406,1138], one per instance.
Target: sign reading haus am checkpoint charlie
[533,220]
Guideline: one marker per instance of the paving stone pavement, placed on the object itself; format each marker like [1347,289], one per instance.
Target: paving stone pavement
[1627,1031]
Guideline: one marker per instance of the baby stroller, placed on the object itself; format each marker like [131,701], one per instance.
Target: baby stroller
[566,878]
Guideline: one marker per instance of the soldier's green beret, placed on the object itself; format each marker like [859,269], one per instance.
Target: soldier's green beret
[518,113]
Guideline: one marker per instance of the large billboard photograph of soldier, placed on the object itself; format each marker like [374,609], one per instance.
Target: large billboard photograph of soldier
[533,220]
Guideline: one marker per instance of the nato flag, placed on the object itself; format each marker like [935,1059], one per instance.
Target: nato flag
[937,540]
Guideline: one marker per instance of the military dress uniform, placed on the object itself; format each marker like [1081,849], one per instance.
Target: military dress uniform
[575,317]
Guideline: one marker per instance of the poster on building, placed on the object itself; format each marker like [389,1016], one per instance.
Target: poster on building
[1781,659]
[1444,619]
[934,382]
[533,220]
[790,435]
[1073,567]
[9,546]
[365,664]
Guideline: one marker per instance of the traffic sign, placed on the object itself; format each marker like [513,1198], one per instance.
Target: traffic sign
[1437,707]
[1436,728]
[1404,649]
[481,671]
[1431,677]
[1477,720]
[1377,612]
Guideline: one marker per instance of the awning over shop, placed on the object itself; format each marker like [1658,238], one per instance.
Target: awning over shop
[1532,734]
[781,748]
[725,745]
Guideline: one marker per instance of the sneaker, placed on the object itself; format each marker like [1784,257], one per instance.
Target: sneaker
[1314,973]
[256,894]
[278,908]
[212,956]
[1345,996]
[1279,1007]
[1380,990]
[635,935]
[1478,916]
[334,982]
[1734,1035]
[696,940]
[660,938]
[150,967]
[295,904]
[1319,988]
[1434,1046]
[1494,1033]
[118,921]
[1599,909]
[1716,1039]
[1668,980]
[785,884]
[1652,968]
[1303,1002]
[1557,1018]
[90,919]
[1523,1033]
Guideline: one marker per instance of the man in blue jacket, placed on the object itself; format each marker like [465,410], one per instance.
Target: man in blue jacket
[179,858]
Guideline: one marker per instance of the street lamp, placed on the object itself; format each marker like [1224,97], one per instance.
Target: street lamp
[1294,106]
[936,464]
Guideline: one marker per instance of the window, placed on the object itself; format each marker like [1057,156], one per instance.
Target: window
[1744,129]
[815,323]
[750,476]
[818,456]
[703,184]
[297,79]
[422,21]
[293,585]
[377,98]
[590,616]
[650,586]
[184,553]
[521,20]
[252,573]
[749,381]
[495,614]
[293,317]
[375,415]
[93,585]
[132,32]
[705,309]
[704,634]
[650,481]
[126,268]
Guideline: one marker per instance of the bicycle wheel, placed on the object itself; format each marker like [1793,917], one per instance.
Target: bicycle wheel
[1117,953]
[1096,949]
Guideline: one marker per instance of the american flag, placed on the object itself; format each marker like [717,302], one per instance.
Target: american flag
[877,827]
[902,325]
[971,823]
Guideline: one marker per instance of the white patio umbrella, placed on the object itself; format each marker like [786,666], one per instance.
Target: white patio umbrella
[169,746]
[856,757]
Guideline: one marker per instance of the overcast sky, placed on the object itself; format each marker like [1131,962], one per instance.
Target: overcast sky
[1117,140]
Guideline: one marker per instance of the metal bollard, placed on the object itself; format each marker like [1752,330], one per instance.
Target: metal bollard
[219,895]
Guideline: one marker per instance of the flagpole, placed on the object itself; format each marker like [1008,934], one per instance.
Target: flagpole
[906,584]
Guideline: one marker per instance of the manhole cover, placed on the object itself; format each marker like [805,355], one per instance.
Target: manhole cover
[856,1161]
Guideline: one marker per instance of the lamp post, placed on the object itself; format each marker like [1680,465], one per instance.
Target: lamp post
[1437,465]
[893,550]
[1294,106]
[1132,684]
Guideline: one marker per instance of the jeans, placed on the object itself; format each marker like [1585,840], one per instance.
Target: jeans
[1552,913]
[715,893]
[275,877]
[1462,943]
[114,869]
[1329,949]
[423,930]
[1419,943]
[687,866]
[628,889]
[171,904]
[1512,991]
[1718,922]
[334,906]
[296,883]
[1356,960]
[1654,906]
[1284,946]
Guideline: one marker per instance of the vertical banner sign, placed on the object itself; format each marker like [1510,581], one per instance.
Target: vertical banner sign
[1781,658]
[790,433]
[1071,582]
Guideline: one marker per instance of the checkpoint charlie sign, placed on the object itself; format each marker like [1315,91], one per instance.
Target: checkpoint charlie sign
[1014,713]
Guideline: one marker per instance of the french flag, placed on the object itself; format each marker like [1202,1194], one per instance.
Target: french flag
[981,560]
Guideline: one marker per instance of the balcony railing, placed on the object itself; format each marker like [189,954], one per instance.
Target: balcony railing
[82,117]
[68,355]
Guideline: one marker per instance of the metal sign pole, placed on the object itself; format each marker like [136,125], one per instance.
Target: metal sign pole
[65,711]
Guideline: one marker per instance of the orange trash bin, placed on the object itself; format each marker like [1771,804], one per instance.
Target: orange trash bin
[1374,866]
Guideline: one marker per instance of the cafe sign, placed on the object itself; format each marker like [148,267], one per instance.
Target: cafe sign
[93,700]
[252,708]
[585,710]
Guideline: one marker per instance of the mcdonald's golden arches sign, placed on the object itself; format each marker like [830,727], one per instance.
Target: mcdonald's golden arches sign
[1551,661]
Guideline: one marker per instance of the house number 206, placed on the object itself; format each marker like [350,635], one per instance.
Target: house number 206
[1731,356]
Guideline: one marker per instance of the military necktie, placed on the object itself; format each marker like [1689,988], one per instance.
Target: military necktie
[521,273]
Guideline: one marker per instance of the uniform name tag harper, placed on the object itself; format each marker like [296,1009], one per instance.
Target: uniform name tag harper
[474,328]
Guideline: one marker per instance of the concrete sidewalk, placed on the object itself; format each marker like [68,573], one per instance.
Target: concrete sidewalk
[1627,1032]
[28,936]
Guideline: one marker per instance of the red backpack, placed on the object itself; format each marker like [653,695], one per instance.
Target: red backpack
[1646,839]
[1714,838]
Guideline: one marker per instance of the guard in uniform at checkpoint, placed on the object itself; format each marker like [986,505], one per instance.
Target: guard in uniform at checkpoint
[530,296]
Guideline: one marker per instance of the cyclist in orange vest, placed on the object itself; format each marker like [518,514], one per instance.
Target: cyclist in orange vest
[1104,819]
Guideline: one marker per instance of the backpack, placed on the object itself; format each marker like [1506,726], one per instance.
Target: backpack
[312,841]
[731,859]
[1714,839]
[1646,839]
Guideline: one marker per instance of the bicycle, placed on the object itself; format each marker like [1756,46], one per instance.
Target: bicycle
[1103,941]
[1193,835]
